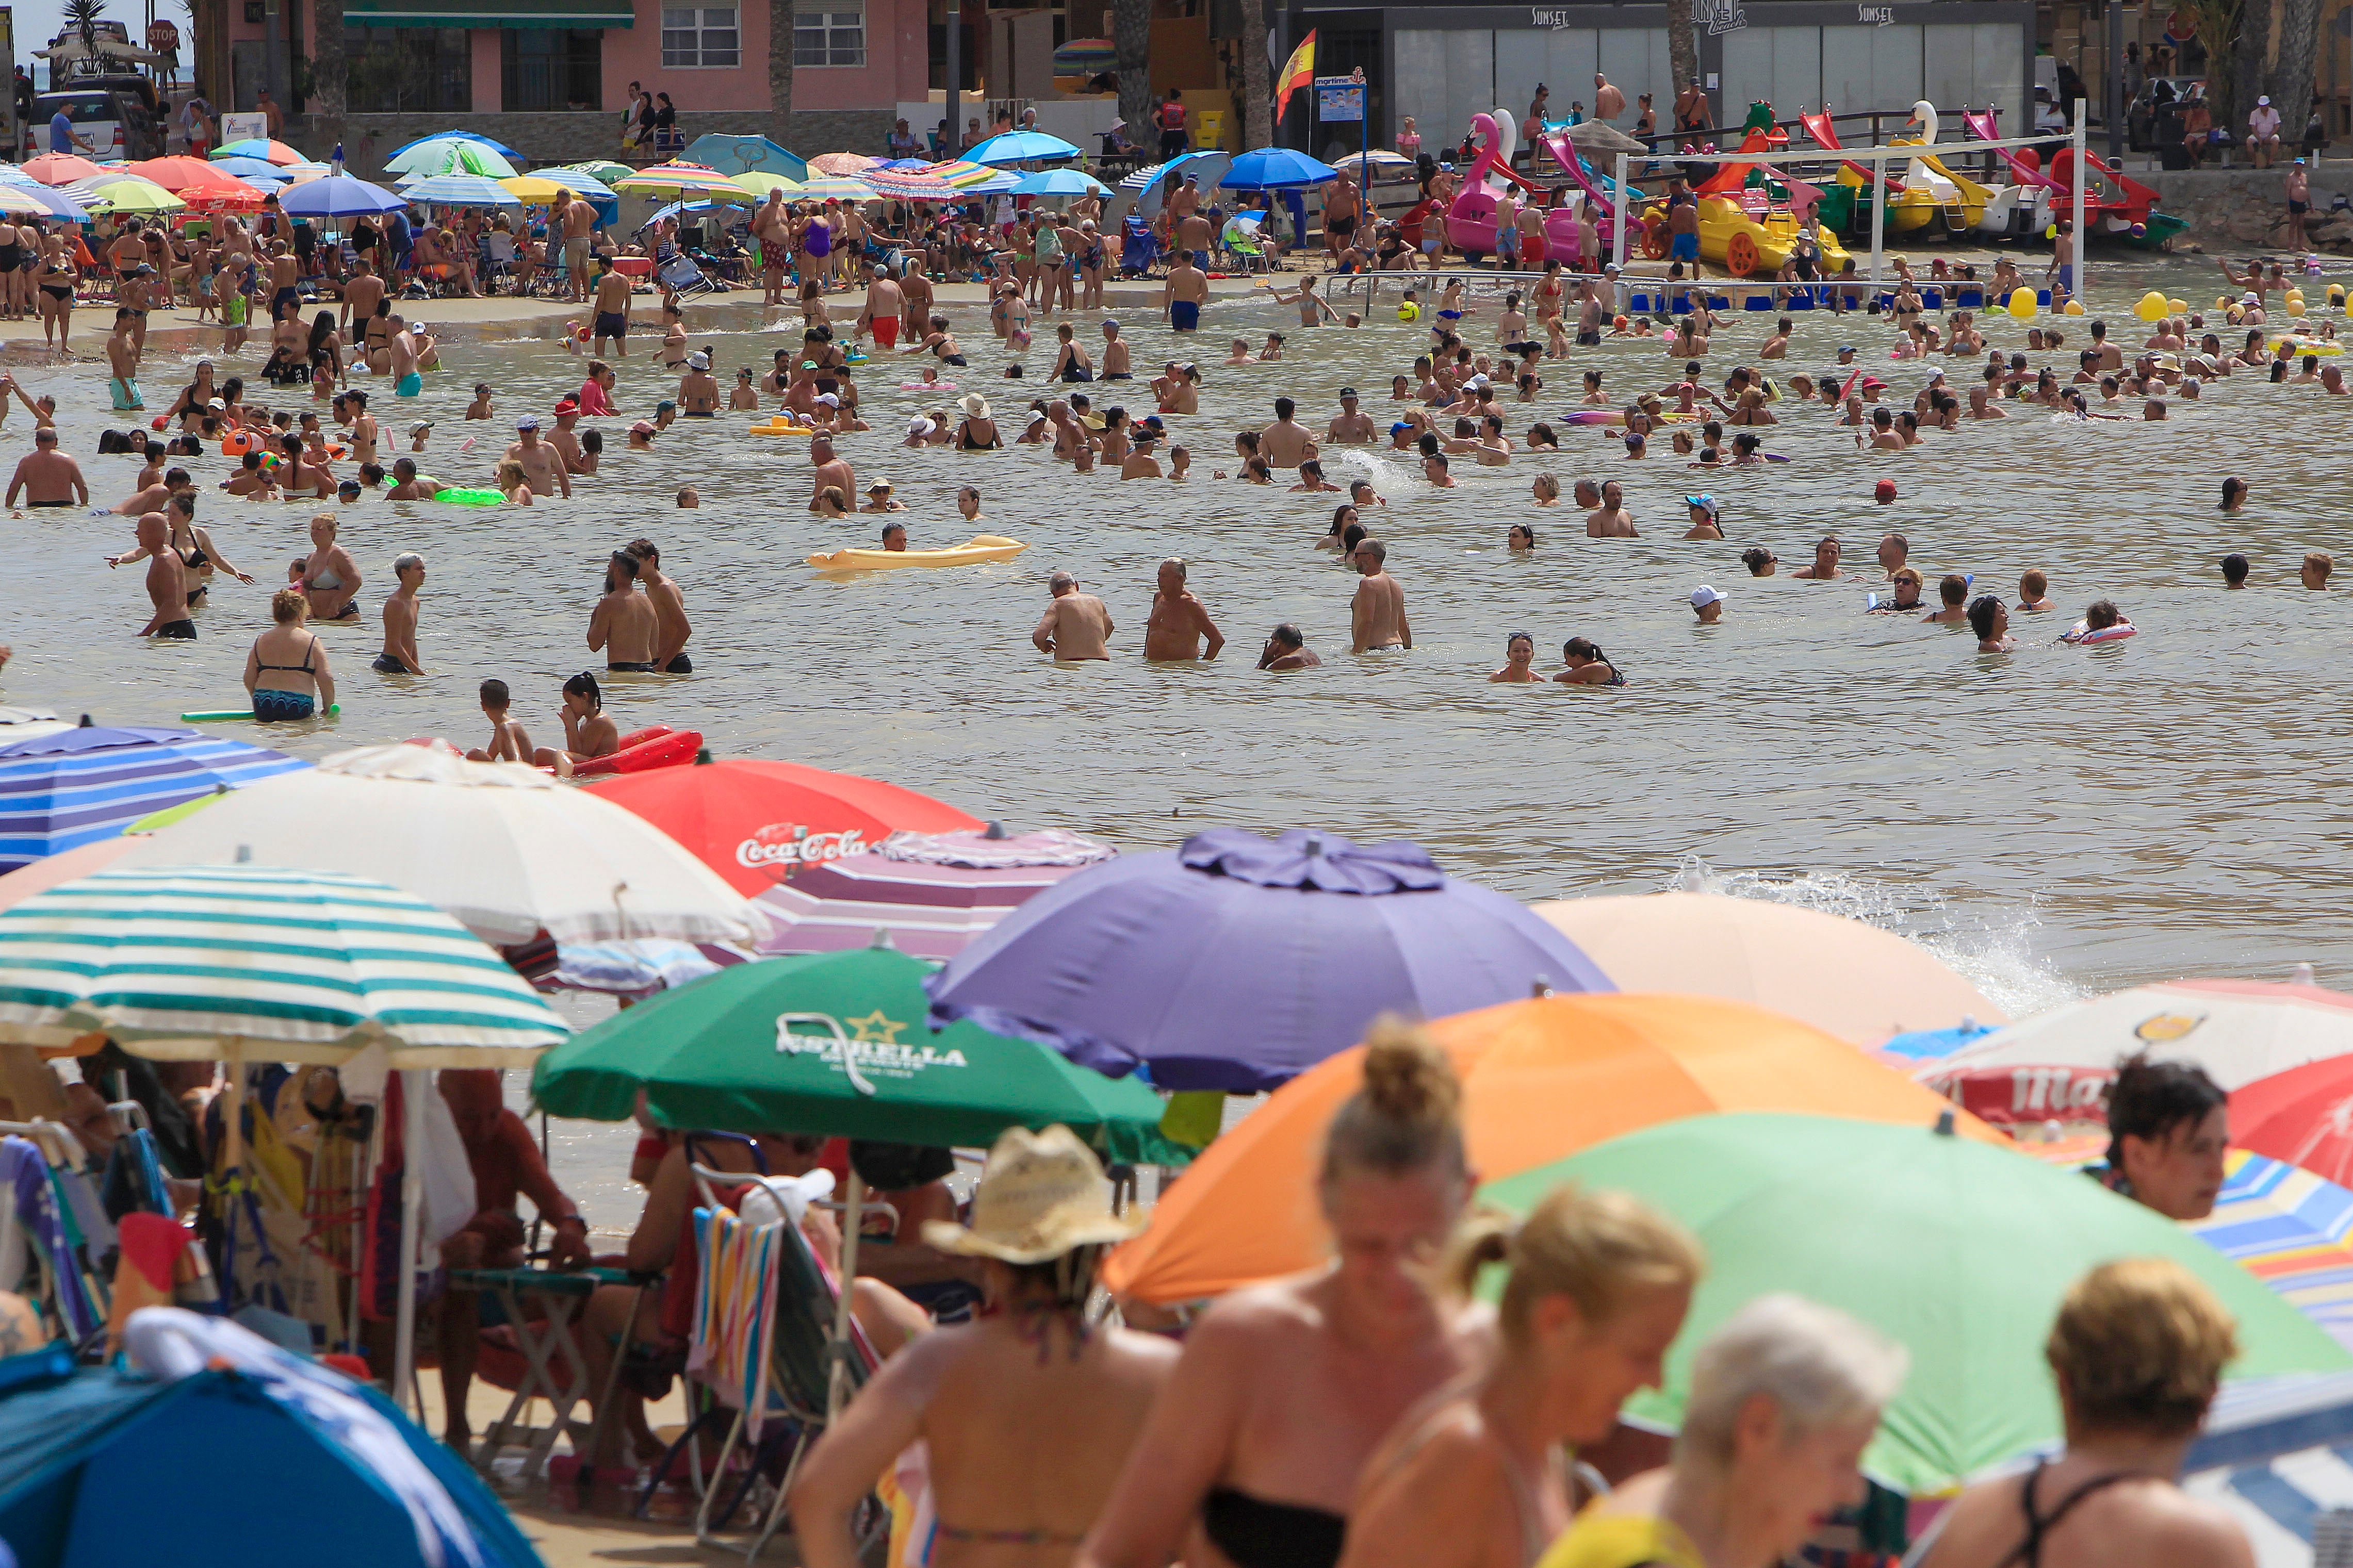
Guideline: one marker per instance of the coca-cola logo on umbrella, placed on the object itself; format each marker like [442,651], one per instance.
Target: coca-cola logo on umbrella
[784,847]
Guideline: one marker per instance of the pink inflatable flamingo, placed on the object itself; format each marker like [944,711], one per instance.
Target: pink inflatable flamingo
[1471,220]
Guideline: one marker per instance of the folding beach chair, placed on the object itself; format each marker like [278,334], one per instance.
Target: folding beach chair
[681,274]
[1139,249]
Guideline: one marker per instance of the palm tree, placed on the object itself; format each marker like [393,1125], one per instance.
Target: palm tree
[780,72]
[1257,91]
[82,17]
[330,71]
[1131,31]
[1682,44]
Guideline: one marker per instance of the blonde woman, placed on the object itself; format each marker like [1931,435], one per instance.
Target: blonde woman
[2137,1353]
[285,670]
[1784,1399]
[1597,1290]
[1285,1390]
[513,483]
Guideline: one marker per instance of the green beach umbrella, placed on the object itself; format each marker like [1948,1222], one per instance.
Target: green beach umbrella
[1959,1250]
[837,1043]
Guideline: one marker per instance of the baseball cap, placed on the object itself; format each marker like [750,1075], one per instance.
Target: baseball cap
[1348,392]
[666,407]
[1702,501]
[527,422]
[828,399]
[567,405]
[879,484]
[1704,595]
[1884,490]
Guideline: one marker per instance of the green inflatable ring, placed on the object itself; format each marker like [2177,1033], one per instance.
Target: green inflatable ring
[471,498]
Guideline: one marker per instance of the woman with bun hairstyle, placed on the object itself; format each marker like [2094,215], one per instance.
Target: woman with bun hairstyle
[1285,1390]
[1597,1290]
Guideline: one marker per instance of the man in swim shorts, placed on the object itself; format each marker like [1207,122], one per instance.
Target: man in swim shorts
[407,382]
[123,358]
[672,627]
[623,625]
[612,311]
[47,476]
[1075,625]
[579,217]
[1183,293]
[167,582]
[884,301]
[1682,221]
[1377,614]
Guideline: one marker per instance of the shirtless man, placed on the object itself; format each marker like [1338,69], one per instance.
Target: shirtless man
[1183,294]
[623,625]
[672,629]
[612,311]
[885,305]
[1342,208]
[361,289]
[579,218]
[1352,426]
[774,230]
[47,476]
[1376,615]
[1610,520]
[1825,568]
[400,362]
[1114,366]
[1609,103]
[167,582]
[832,470]
[122,359]
[1286,444]
[1193,239]
[1286,648]
[1075,625]
[408,485]
[1179,620]
[540,464]
[399,654]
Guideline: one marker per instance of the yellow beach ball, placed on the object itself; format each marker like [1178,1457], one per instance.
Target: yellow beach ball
[2074,308]
[2021,304]
[2152,307]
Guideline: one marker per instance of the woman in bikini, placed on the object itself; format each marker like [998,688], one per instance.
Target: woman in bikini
[2137,1354]
[328,575]
[1599,1287]
[1028,1412]
[285,670]
[1285,1390]
[1784,1399]
[57,279]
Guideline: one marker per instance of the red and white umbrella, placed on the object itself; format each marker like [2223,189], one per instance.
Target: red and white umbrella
[934,892]
[2304,1116]
[2057,1065]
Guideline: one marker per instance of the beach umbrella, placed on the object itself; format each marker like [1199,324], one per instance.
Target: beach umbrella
[1086,57]
[679,179]
[1021,147]
[835,188]
[1541,1079]
[2304,1116]
[1377,162]
[1060,183]
[744,155]
[674,208]
[60,168]
[1208,168]
[933,892]
[1861,984]
[907,185]
[839,163]
[759,823]
[1275,168]
[603,169]
[259,149]
[130,193]
[507,852]
[459,191]
[339,196]
[2057,1065]
[72,787]
[1238,963]
[974,179]
[195,961]
[835,1044]
[579,182]
[501,148]
[535,187]
[60,200]
[1592,136]
[451,155]
[2287,1227]
[191,177]
[66,866]
[19,201]
[22,723]
[759,182]
[1960,1250]
[251,170]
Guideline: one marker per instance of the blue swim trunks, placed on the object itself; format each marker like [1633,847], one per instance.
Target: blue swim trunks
[1184,315]
[1684,248]
[408,385]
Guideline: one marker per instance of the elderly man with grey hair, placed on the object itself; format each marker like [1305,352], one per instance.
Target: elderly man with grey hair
[1179,621]
[399,654]
[1075,625]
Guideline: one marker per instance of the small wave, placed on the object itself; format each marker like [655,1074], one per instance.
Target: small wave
[1379,469]
[1993,950]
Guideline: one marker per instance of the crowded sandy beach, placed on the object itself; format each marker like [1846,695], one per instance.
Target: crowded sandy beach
[891,911]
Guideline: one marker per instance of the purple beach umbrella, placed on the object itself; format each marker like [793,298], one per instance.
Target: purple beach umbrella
[72,787]
[1233,963]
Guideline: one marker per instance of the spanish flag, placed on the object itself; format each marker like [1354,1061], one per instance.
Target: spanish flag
[1297,72]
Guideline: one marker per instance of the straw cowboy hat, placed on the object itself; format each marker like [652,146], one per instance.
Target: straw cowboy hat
[1041,1194]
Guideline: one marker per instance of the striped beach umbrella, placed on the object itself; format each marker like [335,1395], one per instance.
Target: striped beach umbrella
[1086,57]
[974,179]
[2289,1228]
[452,154]
[72,787]
[259,147]
[837,188]
[129,194]
[908,185]
[460,191]
[934,892]
[679,179]
[193,963]
[842,162]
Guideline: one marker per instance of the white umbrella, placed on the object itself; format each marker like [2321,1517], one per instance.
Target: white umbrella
[505,850]
[2057,1065]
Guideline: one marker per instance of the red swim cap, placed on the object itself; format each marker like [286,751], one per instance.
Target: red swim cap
[1886,490]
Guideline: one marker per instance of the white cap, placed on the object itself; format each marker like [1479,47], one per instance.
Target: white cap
[828,399]
[1704,595]
[2263,104]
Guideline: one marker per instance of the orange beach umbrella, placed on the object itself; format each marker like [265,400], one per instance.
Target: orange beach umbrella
[1542,1079]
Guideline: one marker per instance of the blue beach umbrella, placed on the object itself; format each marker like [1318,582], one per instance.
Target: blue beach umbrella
[339,196]
[253,169]
[72,787]
[1060,182]
[746,155]
[501,148]
[1273,168]
[459,191]
[1236,962]
[1021,147]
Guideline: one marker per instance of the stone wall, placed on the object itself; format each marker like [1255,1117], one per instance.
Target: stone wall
[2241,209]
[546,139]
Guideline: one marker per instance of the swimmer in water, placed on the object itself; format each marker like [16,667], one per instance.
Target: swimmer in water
[1519,658]
[2234,494]
[2034,592]
[2235,571]
[1707,603]
[1520,537]
[1377,614]
[1075,627]
[1825,568]
[1706,518]
[1759,561]
[1906,595]
[2102,616]
[1586,665]
[1954,590]
[1286,649]
[2318,565]
[1990,618]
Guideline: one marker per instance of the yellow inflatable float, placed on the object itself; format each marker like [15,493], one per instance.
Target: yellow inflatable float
[778,425]
[980,547]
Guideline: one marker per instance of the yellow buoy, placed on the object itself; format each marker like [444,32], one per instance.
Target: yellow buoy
[2021,304]
[2074,308]
[2152,307]
[2176,306]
